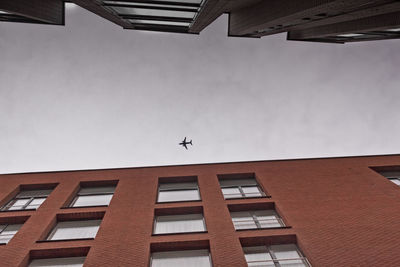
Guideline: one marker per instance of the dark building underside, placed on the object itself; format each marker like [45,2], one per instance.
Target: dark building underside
[331,21]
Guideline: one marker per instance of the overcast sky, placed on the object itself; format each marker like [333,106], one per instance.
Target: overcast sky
[92,95]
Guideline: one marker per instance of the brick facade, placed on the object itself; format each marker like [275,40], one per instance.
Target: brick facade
[339,211]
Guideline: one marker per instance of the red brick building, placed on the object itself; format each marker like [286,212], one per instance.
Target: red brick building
[312,212]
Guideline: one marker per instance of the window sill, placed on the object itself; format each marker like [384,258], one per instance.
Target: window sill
[63,240]
[17,210]
[233,198]
[179,201]
[85,207]
[181,233]
[267,228]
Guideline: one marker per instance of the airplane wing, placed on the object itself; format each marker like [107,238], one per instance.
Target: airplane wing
[184,140]
[184,144]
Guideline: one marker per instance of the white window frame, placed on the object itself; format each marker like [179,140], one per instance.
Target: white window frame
[395,180]
[157,217]
[29,198]
[195,186]
[40,262]
[257,221]
[393,176]
[183,251]
[79,193]
[54,230]
[3,228]
[274,259]
[239,187]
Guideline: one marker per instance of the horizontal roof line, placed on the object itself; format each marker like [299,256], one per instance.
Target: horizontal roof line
[203,164]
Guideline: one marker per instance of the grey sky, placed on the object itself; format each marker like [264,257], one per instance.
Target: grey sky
[91,95]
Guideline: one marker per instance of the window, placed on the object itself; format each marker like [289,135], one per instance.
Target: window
[153,12]
[240,188]
[198,258]
[75,230]
[394,30]
[160,22]
[350,35]
[395,180]
[7,231]
[277,255]
[179,224]
[175,15]
[27,199]
[256,219]
[393,176]
[93,196]
[61,262]
[169,192]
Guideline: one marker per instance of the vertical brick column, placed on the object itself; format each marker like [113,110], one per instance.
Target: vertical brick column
[124,236]
[224,244]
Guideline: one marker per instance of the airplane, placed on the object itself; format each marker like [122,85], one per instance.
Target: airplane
[184,143]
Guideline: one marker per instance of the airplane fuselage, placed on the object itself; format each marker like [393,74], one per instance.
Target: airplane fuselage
[186,143]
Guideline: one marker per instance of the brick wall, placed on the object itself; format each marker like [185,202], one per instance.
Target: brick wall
[340,211]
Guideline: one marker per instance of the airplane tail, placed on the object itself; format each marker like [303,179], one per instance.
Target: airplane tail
[191,142]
